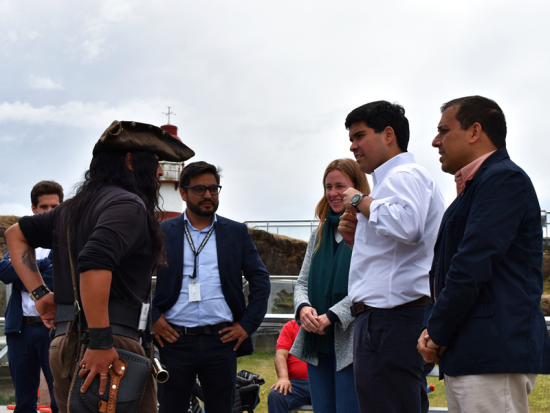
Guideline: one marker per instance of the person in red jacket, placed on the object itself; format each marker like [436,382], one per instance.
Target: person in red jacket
[292,387]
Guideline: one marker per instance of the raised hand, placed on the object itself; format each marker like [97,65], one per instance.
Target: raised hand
[348,224]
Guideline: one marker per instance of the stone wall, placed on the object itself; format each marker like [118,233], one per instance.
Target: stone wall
[281,255]
[5,223]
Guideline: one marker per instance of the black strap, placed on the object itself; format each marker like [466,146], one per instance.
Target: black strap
[192,245]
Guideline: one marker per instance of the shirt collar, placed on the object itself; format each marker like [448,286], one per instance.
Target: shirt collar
[468,172]
[380,173]
[191,226]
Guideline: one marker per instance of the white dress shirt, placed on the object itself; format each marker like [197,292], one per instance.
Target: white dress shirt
[29,309]
[393,249]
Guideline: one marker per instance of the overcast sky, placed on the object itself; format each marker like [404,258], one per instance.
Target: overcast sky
[260,88]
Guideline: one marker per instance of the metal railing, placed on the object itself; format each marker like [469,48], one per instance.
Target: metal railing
[301,228]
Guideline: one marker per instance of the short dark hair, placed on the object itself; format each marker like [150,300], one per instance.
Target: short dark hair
[381,114]
[486,112]
[46,188]
[198,168]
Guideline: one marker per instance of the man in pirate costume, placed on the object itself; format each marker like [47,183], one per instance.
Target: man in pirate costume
[115,242]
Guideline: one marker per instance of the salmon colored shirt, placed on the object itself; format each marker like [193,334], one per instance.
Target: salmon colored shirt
[468,172]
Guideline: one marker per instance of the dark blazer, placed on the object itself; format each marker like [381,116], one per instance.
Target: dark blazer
[237,256]
[14,309]
[487,276]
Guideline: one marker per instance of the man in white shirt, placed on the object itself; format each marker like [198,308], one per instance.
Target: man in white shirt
[27,337]
[392,232]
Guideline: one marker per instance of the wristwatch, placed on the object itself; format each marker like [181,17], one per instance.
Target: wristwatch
[39,292]
[355,199]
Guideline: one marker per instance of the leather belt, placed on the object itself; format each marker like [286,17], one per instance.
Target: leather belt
[203,330]
[64,327]
[32,319]
[120,312]
[358,308]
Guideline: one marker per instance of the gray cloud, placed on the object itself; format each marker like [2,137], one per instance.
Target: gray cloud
[43,82]
[261,88]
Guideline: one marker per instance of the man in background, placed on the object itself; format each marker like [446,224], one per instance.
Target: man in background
[292,388]
[201,319]
[26,335]
[392,232]
[484,322]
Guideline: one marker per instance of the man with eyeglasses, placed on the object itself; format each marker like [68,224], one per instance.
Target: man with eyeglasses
[201,319]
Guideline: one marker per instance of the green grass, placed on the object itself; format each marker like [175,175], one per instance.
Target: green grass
[5,400]
[262,363]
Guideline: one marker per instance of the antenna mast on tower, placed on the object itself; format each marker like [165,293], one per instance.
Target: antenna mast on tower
[168,114]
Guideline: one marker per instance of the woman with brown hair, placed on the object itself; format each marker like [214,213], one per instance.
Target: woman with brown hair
[325,340]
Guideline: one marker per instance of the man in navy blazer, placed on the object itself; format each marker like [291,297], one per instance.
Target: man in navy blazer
[27,337]
[201,319]
[484,322]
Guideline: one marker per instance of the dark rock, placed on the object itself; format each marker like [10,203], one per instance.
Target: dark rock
[545,304]
[281,255]
[546,268]
[5,222]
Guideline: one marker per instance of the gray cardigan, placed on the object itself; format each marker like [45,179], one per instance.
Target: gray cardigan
[343,331]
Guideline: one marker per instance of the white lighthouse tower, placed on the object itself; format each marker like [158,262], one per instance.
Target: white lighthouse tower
[169,188]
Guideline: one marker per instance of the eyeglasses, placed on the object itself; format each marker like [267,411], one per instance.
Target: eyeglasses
[201,189]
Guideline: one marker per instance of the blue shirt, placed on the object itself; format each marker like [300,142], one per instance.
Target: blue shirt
[212,308]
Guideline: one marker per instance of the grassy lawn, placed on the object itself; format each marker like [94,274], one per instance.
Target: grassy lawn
[262,363]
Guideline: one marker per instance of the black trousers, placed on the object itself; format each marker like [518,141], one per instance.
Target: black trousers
[206,356]
[27,354]
[390,374]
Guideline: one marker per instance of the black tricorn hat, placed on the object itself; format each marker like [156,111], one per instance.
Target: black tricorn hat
[127,135]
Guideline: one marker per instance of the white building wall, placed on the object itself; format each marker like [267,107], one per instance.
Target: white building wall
[172,198]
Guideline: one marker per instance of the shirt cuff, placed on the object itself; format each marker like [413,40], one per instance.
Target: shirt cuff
[333,318]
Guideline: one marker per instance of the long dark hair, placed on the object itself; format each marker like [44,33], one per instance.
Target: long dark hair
[110,167]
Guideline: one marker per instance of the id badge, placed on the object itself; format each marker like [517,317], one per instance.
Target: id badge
[194,292]
[143,316]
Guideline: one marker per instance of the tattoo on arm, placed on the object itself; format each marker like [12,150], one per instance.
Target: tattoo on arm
[29,259]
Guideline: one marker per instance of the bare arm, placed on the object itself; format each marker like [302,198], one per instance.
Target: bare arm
[283,383]
[95,287]
[23,259]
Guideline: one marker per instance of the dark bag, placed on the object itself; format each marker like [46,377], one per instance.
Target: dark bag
[248,391]
[247,395]
[127,395]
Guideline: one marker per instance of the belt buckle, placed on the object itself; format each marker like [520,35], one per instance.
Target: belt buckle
[189,334]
